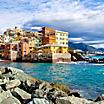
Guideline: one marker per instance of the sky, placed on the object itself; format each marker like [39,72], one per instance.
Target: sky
[83,19]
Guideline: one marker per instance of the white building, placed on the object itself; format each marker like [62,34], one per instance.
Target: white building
[61,38]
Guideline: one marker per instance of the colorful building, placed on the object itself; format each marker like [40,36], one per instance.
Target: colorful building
[45,45]
[57,52]
[23,49]
[51,36]
[10,51]
[48,36]
[6,37]
[61,38]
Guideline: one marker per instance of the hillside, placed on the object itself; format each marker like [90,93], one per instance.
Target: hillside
[82,46]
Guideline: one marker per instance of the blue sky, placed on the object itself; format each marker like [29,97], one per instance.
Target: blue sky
[83,19]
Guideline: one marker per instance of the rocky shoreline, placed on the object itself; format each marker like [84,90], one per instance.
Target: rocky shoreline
[16,87]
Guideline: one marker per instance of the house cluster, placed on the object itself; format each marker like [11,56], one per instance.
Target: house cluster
[46,45]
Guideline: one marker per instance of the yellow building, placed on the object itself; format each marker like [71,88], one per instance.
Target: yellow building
[31,43]
[54,53]
[54,48]
[61,38]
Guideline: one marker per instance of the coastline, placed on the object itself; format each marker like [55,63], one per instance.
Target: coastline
[35,90]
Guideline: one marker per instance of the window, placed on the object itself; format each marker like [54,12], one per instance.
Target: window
[24,55]
[59,51]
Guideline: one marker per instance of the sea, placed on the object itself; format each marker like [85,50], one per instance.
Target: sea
[82,77]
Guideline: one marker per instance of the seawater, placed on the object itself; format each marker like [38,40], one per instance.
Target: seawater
[88,79]
[97,56]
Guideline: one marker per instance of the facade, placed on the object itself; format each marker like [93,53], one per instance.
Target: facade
[48,36]
[23,49]
[61,38]
[31,42]
[55,53]
[47,45]
[10,51]
[2,48]
[6,38]
[51,36]
[54,48]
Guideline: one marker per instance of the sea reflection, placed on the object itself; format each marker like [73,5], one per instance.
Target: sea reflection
[59,72]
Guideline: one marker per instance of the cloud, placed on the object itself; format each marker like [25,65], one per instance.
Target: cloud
[36,28]
[94,42]
[76,39]
[83,17]
[72,14]
[98,45]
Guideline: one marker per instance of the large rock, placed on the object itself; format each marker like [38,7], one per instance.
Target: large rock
[4,70]
[3,81]
[31,81]
[9,76]
[14,70]
[38,93]
[1,90]
[44,85]
[4,95]
[76,94]
[21,94]
[100,102]
[39,101]
[19,74]
[53,95]
[72,100]
[100,98]
[10,100]
[61,87]
[13,84]
[34,87]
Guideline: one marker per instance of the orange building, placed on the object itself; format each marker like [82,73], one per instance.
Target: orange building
[23,49]
[48,36]
[10,51]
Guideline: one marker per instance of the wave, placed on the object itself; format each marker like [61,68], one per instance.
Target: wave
[98,64]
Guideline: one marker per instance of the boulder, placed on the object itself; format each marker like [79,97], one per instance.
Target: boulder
[13,84]
[5,70]
[10,100]
[60,93]
[76,94]
[72,100]
[34,86]
[21,94]
[53,95]
[4,95]
[31,81]
[38,93]
[14,70]
[19,74]
[1,90]
[44,85]
[100,98]
[3,81]
[99,102]
[40,101]
[61,87]
[9,76]
[2,70]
